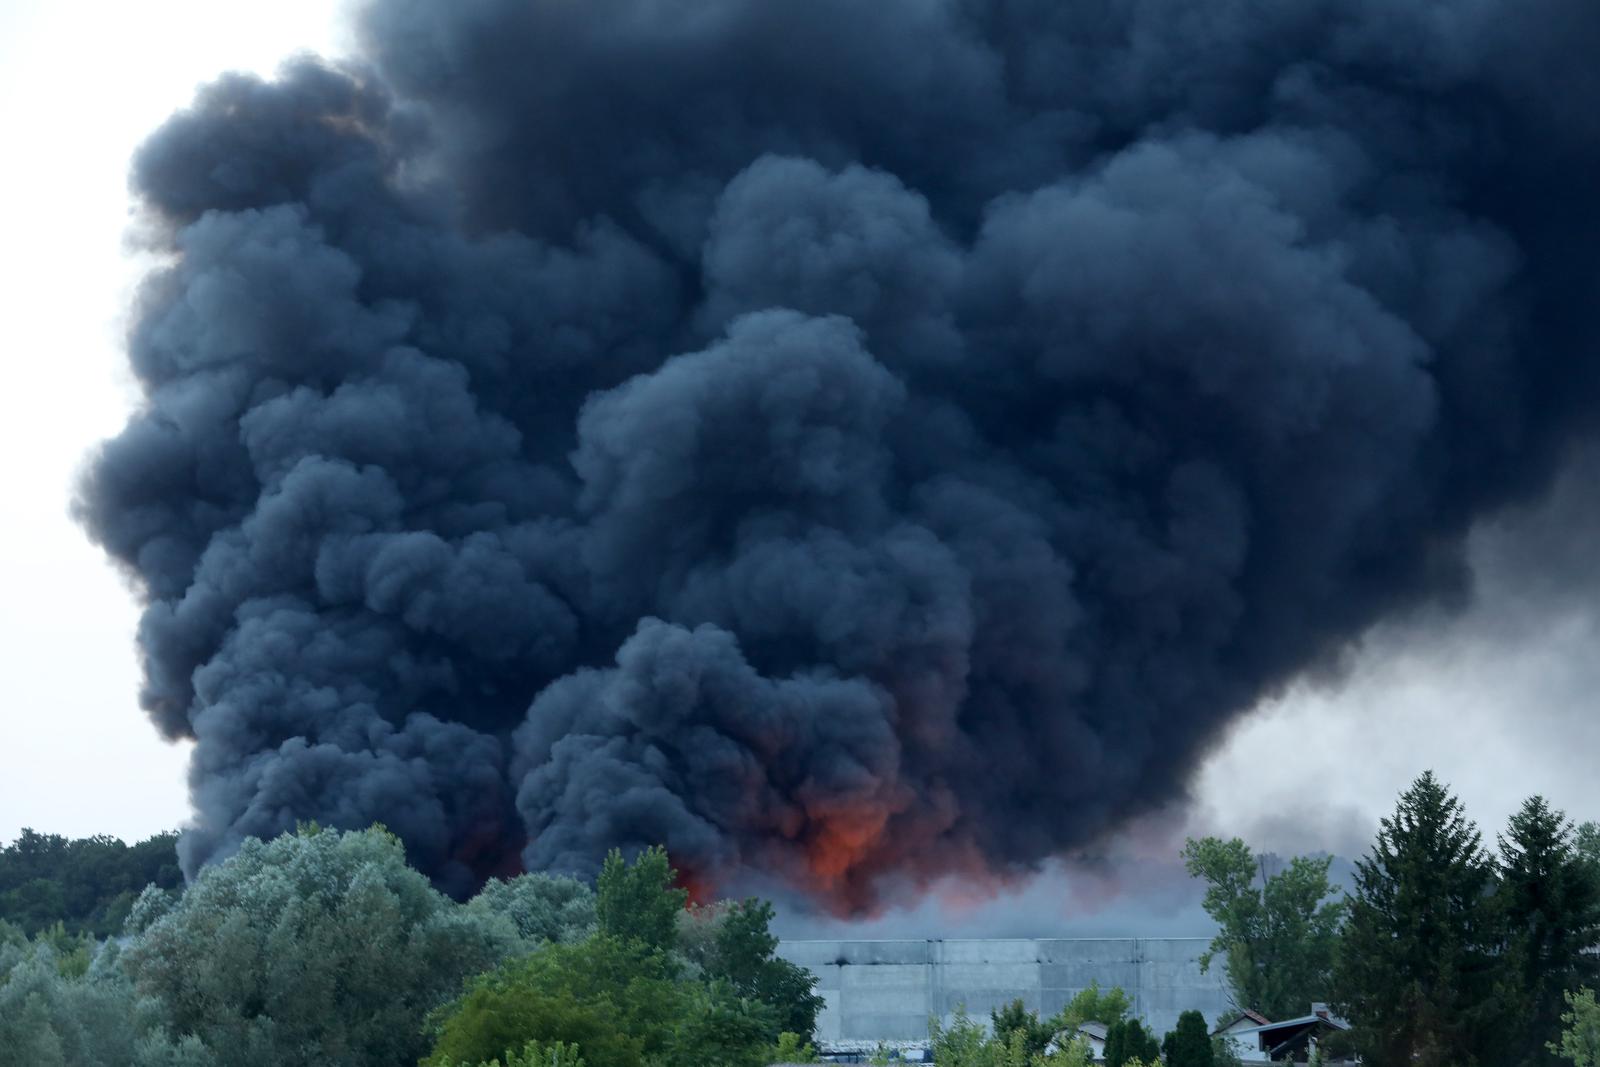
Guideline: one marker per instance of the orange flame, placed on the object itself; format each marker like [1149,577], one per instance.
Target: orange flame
[702,890]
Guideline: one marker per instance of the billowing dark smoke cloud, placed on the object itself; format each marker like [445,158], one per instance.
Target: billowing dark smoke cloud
[853,442]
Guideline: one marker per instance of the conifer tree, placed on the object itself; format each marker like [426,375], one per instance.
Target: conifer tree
[1127,1041]
[1550,903]
[1417,969]
[1190,1044]
[1114,1056]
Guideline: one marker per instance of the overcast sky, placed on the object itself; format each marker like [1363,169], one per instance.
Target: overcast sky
[80,84]
[1497,698]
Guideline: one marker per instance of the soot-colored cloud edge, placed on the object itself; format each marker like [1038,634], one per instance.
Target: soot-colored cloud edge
[855,443]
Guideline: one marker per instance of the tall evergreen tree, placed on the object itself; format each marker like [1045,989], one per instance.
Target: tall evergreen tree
[1418,968]
[1190,1044]
[1116,1055]
[1549,900]
[1127,1040]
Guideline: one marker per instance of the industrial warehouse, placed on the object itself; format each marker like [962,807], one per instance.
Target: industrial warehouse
[886,991]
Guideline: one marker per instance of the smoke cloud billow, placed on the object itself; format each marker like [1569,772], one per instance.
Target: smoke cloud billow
[854,443]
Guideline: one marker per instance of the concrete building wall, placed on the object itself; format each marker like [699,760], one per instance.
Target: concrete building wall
[886,990]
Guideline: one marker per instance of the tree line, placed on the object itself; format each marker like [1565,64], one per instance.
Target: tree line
[88,885]
[324,948]
[1443,953]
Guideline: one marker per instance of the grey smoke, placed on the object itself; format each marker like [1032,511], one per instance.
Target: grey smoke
[852,443]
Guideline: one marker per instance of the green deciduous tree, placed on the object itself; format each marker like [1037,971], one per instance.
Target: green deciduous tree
[1069,1052]
[640,901]
[542,907]
[1549,899]
[1092,1005]
[87,884]
[1417,964]
[635,990]
[623,1003]
[792,1048]
[539,1054]
[965,1043]
[742,950]
[1015,1021]
[1017,1038]
[716,1027]
[1278,932]
[54,1015]
[492,1020]
[617,1001]
[314,948]
[1579,1040]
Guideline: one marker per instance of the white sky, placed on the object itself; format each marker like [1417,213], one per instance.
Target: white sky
[80,85]
[1498,710]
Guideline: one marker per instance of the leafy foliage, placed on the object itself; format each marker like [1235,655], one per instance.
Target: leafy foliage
[539,1054]
[792,1048]
[1278,933]
[747,958]
[87,884]
[313,948]
[56,1014]
[965,1043]
[716,1027]
[622,1003]
[634,992]
[1580,1035]
[736,945]
[325,947]
[1016,1022]
[615,1000]
[640,901]
[1092,1005]
[542,907]
[1018,1038]
[1075,1052]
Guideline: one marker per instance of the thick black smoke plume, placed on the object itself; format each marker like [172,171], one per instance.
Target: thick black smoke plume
[851,441]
